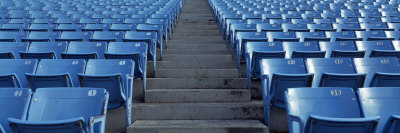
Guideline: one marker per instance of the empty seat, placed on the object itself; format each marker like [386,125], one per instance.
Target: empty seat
[255,51]
[381,101]
[96,27]
[10,50]
[85,50]
[372,35]
[341,49]
[342,36]
[277,75]
[116,77]
[44,50]
[282,37]
[381,72]
[107,36]
[141,36]
[122,27]
[326,110]
[56,73]
[334,72]
[15,100]
[11,36]
[295,27]
[320,27]
[348,27]
[40,27]
[87,109]
[74,36]
[312,36]
[13,27]
[303,50]
[155,28]
[68,27]
[383,48]
[376,26]
[265,27]
[13,72]
[41,37]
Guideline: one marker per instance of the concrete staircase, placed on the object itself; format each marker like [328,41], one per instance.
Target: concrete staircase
[196,88]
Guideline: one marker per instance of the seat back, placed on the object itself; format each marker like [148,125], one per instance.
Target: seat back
[13,48]
[79,48]
[46,47]
[340,49]
[303,50]
[18,67]
[371,46]
[15,102]
[381,101]
[62,66]
[372,66]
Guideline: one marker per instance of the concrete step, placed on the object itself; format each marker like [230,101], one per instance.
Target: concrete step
[196,83]
[189,42]
[195,51]
[177,57]
[196,95]
[202,14]
[194,65]
[196,34]
[196,73]
[199,111]
[196,31]
[197,22]
[197,126]
[197,46]
[198,38]
[199,26]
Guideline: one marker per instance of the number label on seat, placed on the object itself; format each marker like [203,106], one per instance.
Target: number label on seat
[336,92]
[92,93]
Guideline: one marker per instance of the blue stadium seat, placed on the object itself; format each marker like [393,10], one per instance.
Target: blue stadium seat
[334,72]
[85,50]
[277,75]
[136,51]
[13,27]
[295,27]
[393,34]
[312,36]
[149,37]
[10,50]
[383,48]
[74,36]
[153,28]
[376,26]
[41,27]
[134,21]
[44,50]
[13,72]
[303,50]
[116,76]
[326,110]
[372,35]
[342,36]
[244,37]
[341,49]
[87,109]
[38,36]
[68,27]
[11,36]
[96,27]
[381,101]
[107,36]
[265,27]
[320,27]
[122,27]
[56,73]
[282,37]
[255,51]
[381,72]
[15,101]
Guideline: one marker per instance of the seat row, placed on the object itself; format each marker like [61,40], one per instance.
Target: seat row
[277,75]
[45,110]
[114,75]
[336,109]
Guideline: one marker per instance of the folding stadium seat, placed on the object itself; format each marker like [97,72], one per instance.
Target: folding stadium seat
[141,16]
[74,36]
[271,16]
[66,21]
[295,27]
[303,50]
[348,27]
[39,36]
[68,27]
[134,21]
[13,27]
[348,21]
[111,21]
[10,50]
[165,24]
[381,101]
[56,73]
[312,36]
[342,36]
[88,21]
[383,48]
[43,21]
[87,109]
[44,50]
[302,21]
[327,110]
[149,37]
[107,36]
[11,36]
[122,27]
[351,14]
[241,39]
[394,26]
[341,49]
[393,34]
[320,27]
[15,100]
[334,72]
[116,76]
[85,50]
[381,72]
[137,51]
[311,15]
[156,28]
[13,72]
[376,26]
[372,35]
[370,21]
[325,21]
[282,37]
[255,51]
[227,26]
[265,27]
[277,75]
[96,27]
[40,27]
[280,21]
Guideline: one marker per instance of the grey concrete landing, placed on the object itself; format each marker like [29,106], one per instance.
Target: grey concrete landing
[196,95]
[197,126]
